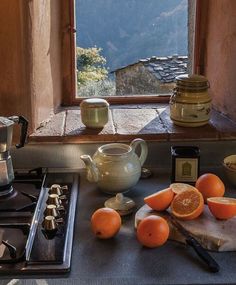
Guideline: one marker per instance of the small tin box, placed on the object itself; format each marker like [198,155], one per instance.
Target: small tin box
[185,164]
[94,112]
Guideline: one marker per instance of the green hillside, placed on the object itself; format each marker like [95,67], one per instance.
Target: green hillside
[128,30]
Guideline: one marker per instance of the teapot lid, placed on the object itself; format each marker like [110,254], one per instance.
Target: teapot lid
[5,122]
[123,205]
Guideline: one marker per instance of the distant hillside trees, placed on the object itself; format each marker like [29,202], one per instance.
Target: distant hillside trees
[128,30]
[90,65]
[92,75]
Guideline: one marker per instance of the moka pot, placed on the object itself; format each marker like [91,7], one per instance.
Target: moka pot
[6,131]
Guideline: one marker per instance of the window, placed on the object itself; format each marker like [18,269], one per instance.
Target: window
[130,47]
[73,95]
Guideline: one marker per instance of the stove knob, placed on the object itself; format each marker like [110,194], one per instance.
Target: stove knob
[51,210]
[49,223]
[58,189]
[54,199]
[55,189]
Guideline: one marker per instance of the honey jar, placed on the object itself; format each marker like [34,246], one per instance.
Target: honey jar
[190,103]
[94,112]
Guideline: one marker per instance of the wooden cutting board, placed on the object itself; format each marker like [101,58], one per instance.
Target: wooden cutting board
[213,234]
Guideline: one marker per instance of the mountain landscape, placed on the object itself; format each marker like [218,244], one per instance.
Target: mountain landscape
[128,30]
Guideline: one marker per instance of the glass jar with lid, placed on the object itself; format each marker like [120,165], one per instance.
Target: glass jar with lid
[190,103]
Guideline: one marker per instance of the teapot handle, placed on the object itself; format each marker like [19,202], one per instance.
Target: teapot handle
[144,149]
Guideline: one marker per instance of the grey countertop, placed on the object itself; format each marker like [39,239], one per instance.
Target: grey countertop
[122,260]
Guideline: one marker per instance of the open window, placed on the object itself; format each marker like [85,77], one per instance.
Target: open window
[128,51]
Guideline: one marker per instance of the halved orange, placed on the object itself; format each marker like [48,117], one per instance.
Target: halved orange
[222,207]
[180,187]
[160,200]
[187,205]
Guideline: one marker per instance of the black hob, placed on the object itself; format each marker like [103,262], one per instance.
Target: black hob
[37,223]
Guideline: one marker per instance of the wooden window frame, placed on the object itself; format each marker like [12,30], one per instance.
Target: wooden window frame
[201,18]
[69,65]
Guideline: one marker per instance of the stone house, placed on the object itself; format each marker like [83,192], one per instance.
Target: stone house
[150,76]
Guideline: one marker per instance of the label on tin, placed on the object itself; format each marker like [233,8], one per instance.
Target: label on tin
[186,169]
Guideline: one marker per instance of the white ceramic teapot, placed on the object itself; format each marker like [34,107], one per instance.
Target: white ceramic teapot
[116,167]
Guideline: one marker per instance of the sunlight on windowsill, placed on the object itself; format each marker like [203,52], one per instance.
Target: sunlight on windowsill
[148,121]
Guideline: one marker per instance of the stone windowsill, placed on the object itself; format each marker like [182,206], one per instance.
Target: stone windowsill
[150,122]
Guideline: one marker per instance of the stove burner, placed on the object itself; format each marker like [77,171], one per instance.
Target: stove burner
[11,248]
[14,238]
[6,190]
[19,201]
[36,237]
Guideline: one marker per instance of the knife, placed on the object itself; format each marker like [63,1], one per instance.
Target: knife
[202,253]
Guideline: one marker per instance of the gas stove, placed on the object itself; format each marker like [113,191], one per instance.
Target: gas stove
[37,223]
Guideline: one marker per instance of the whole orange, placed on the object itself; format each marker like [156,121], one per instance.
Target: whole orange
[105,223]
[210,185]
[153,231]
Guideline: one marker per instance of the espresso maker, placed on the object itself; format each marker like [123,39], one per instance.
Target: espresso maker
[6,169]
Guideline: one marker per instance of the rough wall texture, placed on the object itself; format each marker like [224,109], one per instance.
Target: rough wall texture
[221,55]
[14,72]
[135,79]
[46,55]
[30,56]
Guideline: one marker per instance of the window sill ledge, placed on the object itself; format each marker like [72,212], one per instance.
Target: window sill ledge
[150,122]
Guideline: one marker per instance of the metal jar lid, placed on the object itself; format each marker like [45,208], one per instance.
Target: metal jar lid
[192,82]
[94,103]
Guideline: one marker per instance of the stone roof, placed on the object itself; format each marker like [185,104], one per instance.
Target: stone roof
[164,69]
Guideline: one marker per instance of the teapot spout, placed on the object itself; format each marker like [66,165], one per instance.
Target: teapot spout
[92,170]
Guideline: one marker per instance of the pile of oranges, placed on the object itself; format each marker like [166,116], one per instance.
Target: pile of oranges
[185,202]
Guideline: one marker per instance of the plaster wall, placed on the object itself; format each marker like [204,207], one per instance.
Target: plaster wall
[30,56]
[14,59]
[221,55]
[46,60]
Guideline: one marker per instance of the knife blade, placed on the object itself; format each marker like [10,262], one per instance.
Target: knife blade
[190,240]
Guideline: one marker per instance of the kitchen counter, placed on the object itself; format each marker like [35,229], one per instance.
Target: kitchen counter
[122,259]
